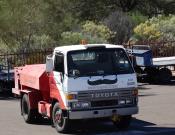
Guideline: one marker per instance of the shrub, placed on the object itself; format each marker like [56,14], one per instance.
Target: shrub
[90,31]
[156,28]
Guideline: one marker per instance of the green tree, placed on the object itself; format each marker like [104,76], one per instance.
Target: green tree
[120,24]
[90,31]
[19,20]
[24,22]
[156,28]
[167,28]
[99,9]
[58,17]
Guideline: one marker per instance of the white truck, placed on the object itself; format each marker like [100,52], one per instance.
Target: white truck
[79,82]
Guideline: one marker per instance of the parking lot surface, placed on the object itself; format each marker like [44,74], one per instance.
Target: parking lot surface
[156,116]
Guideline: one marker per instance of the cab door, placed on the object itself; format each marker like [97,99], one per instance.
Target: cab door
[56,79]
[58,71]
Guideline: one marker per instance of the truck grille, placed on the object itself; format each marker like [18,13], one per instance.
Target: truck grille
[104,95]
[107,98]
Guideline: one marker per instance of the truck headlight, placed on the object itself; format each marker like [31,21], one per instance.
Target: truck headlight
[125,101]
[71,96]
[79,105]
[121,102]
[129,101]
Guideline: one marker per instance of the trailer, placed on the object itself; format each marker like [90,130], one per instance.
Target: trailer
[164,61]
[79,82]
[154,70]
[6,78]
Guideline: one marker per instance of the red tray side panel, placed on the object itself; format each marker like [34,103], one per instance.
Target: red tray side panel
[34,77]
[30,75]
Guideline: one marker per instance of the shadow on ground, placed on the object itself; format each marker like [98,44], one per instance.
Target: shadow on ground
[144,90]
[171,83]
[145,87]
[102,127]
[7,95]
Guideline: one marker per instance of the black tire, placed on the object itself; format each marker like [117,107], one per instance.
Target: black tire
[27,113]
[152,75]
[165,75]
[123,122]
[60,123]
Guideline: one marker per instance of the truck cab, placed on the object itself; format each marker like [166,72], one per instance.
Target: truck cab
[92,81]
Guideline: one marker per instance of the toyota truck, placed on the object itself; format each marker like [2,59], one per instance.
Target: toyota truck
[79,82]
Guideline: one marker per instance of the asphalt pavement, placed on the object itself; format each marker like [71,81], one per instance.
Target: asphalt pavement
[156,116]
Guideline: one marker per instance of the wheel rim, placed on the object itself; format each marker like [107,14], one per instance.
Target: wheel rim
[58,118]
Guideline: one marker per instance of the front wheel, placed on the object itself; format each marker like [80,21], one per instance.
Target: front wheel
[123,122]
[60,122]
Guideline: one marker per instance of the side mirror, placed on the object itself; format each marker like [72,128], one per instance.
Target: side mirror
[49,64]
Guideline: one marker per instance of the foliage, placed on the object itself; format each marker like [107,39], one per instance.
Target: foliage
[147,31]
[58,18]
[156,28]
[93,33]
[29,24]
[121,25]
[165,6]
[42,42]
[137,17]
[19,20]
[97,30]
[100,9]
[167,28]
[24,21]
[3,47]
[72,38]
[93,10]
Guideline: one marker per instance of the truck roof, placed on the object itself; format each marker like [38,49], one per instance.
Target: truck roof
[65,49]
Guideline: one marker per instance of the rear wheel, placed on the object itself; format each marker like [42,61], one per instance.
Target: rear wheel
[123,122]
[60,122]
[26,111]
[152,74]
[165,75]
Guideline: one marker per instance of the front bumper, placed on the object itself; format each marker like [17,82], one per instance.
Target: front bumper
[102,113]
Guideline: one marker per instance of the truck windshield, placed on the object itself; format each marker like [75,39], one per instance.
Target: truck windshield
[97,62]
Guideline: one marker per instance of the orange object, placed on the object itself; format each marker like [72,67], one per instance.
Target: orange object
[83,42]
